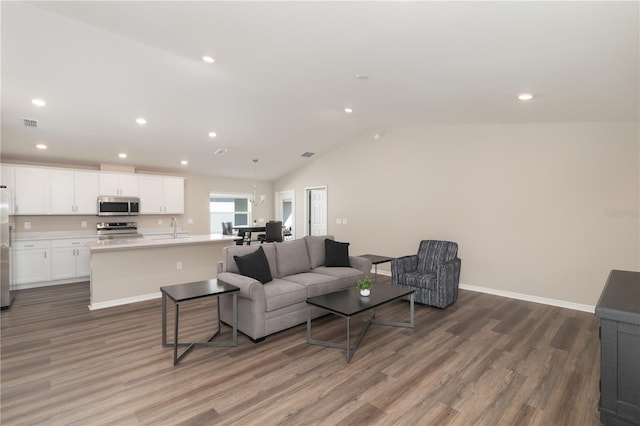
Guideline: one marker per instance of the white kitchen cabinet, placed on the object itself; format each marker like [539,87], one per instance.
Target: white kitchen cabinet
[31,190]
[69,259]
[74,192]
[119,184]
[161,194]
[31,262]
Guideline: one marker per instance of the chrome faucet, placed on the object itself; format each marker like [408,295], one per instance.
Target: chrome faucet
[174,223]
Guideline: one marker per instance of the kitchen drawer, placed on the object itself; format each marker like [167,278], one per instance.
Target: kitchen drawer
[71,242]
[18,245]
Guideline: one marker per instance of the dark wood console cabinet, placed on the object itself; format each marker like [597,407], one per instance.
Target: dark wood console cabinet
[619,313]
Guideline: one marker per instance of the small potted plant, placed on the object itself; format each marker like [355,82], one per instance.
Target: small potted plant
[364,284]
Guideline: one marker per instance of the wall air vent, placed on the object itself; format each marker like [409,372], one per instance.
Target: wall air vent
[307,154]
[29,122]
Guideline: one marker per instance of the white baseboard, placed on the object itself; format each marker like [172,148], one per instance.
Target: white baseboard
[520,296]
[125,301]
[530,298]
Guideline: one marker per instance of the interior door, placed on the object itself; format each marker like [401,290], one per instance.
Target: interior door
[317,211]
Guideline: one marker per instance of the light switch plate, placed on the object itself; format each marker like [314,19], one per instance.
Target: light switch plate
[338,221]
[159,221]
[189,221]
[27,225]
[344,221]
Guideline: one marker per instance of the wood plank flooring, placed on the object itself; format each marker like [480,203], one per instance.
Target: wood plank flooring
[486,360]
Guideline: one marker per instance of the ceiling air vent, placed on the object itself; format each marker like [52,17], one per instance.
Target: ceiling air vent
[307,154]
[29,122]
[220,151]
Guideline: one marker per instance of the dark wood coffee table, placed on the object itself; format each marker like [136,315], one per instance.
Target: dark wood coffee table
[347,303]
[180,293]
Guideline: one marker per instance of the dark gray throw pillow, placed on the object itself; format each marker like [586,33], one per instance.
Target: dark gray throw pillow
[254,265]
[336,253]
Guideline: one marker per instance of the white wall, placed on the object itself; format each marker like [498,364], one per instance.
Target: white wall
[545,210]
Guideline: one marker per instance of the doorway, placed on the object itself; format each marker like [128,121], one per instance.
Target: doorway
[286,212]
[316,211]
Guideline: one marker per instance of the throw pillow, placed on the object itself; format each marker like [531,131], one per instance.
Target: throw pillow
[336,253]
[254,265]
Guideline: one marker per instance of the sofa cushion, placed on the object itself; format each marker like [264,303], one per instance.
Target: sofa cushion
[339,272]
[336,253]
[229,263]
[280,293]
[254,265]
[315,249]
[316,286]
[291,258]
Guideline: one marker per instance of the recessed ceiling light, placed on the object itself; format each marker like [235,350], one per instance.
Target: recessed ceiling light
[38,102]
[307,154]
[348,110]
[362,76]
[141,121]
[122,155]
[525,96]
[184,162]
[41,146]
[212,134]
[208,59]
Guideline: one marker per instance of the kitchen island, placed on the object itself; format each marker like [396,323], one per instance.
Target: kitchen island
[132,270]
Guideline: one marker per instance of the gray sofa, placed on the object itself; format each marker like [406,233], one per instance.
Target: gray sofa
[298,270]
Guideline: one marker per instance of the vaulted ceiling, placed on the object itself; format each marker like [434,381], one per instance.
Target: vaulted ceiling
[284,72]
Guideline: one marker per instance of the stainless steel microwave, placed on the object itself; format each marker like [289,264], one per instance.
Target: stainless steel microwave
[118,206]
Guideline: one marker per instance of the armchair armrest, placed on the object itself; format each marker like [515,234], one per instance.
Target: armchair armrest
[404,264]
[448,273]
[250,288]
[360,263]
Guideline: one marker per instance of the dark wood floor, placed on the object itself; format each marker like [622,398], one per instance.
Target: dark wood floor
[486,360]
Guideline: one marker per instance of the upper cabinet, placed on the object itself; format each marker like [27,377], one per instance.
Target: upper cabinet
[55,191]
[161,194]
[74,192]
[119,184]
[31,190]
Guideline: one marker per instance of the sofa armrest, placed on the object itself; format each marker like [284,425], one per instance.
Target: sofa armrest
[360,263]
[250,288]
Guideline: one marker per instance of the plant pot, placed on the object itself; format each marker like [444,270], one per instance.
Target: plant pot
[365,292]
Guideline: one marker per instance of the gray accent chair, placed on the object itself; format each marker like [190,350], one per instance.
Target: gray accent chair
[434,273]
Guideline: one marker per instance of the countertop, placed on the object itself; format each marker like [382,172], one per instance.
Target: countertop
[157,241]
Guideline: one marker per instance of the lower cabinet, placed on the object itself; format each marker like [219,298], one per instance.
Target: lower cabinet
[43,262]
[69,259]
[31,262]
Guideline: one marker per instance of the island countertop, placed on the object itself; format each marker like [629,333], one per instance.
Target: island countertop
[156,241]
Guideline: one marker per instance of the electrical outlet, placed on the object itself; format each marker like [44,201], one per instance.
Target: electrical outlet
[179,266]
[159,221]
[338,221]
[189,221]
[27,225]
[83,224]
[344,221]
[261,220]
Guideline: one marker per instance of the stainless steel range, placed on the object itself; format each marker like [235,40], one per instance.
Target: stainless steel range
[109,230]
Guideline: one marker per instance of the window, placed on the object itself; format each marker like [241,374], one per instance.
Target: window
[234,208]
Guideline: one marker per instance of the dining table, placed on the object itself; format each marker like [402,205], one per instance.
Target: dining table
[245,231]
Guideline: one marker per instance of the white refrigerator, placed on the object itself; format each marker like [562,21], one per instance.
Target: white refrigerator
[6,295]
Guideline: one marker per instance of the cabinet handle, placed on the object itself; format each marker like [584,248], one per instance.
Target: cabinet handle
[17,208]
[29,245]
[45,254]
